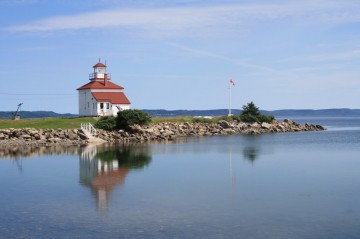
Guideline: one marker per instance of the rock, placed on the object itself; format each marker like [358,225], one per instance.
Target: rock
[320,127]
[82,135]
[25,136]
[229,131]
[72,136]
[225,124]
[54,140]
[255,125]
[265,125]
[37,136]
[288,121]
[167,132]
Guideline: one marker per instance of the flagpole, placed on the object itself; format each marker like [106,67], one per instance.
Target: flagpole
[229,99]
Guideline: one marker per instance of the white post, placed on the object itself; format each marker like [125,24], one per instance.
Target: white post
[231,84]
[229,99]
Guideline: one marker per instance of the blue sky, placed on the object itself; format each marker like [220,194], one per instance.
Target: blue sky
[181,54]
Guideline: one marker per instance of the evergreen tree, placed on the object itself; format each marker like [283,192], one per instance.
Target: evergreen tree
[252,114]
[250,109]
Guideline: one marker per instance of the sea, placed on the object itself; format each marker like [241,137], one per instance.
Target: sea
[283,185]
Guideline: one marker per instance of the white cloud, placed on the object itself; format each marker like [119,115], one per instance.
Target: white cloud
[177,20]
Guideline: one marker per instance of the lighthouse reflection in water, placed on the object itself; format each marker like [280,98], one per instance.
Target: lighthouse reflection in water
[104,168]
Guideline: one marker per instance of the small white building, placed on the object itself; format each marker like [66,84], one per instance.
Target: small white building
[101,97]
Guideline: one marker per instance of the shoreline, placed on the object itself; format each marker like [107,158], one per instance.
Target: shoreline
[166,131]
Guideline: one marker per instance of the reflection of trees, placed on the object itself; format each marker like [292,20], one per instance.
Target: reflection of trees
[127,157]
[251,153]
[105,167]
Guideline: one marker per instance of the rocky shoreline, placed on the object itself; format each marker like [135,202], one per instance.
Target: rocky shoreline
[152,132]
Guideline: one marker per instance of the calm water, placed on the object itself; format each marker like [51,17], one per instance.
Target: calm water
[292,185]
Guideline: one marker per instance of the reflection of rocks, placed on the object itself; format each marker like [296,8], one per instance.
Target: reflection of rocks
[14,152]
[104,167]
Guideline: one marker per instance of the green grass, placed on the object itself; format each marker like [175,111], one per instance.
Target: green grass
[189,119]
[173,119]
[46,123]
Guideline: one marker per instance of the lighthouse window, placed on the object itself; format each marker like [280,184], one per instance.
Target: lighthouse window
[101,105]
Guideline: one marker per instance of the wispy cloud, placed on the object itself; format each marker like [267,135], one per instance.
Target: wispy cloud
[17,2]
[177,20]
[334,56]
[39,48]
[199,52]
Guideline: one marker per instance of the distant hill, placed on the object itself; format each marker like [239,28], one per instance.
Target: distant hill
[216,112]
[35,114]
[276,113]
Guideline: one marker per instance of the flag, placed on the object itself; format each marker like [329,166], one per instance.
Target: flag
[232,82]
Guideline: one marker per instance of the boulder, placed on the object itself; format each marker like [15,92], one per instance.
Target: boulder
[82,135]
[225,124]
[320,127]
[288,121]
[265,125]
[71,136]
[25,136]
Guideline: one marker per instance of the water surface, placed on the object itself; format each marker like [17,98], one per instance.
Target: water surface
[288,185]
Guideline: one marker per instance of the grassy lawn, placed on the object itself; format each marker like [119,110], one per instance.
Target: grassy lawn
[173,119]
[46,123]
[189,119]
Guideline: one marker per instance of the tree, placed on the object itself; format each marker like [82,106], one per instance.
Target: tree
[252,114]
[126,118]
[250,109]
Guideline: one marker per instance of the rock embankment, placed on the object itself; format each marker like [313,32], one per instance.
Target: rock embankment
[169,131]
[160,131]
[47,137]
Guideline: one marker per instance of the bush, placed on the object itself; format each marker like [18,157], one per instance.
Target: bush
[126,118]
[266,118]
[202,120]
[106,122]
[248,118]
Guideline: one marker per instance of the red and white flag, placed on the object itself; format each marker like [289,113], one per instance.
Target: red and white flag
[232,82]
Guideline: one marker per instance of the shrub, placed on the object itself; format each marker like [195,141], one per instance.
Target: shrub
[248,118]
[266,118]
[126,118]
[106,122]
[202,120]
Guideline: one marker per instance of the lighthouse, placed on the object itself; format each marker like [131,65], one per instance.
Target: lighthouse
[100,96]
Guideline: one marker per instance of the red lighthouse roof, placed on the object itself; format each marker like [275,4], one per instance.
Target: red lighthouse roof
[99,64]
[113,97]
[101,85]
